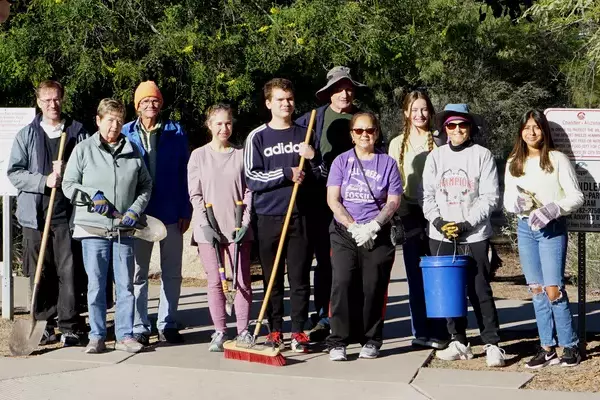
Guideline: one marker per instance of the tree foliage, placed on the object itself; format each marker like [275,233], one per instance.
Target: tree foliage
[204,51]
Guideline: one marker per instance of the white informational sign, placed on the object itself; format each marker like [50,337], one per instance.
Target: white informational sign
[12,120]
[576,132]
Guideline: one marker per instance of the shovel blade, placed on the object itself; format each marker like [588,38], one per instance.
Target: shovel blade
[229,301]
[25,336]
[152,231]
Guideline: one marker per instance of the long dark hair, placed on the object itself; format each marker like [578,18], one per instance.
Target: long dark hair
[520,151]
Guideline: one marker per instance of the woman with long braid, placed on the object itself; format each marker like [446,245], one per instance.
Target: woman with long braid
[410,150]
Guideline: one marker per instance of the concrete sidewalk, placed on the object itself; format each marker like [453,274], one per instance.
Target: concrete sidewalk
[189,370]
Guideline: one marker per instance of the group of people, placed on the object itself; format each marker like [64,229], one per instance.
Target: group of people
[436,182]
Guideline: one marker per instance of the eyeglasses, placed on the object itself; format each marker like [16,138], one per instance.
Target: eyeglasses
[359,131]
[462,125]
[147,102]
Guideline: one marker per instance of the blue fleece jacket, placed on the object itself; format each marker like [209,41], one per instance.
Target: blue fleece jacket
[269,156]
[170,200]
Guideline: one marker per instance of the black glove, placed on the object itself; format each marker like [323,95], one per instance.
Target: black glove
[464,227]
[439,223]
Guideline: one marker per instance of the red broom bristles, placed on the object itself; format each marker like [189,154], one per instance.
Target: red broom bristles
[275,360]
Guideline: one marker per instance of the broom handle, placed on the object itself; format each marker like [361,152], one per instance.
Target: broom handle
[286,223]
[42,253]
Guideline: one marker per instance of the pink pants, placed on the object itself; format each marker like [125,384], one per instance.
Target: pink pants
[216,298]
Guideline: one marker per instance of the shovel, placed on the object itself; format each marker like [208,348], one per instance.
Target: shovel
[27,333]
[212,221]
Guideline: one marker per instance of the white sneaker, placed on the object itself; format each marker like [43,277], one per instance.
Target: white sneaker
[369,351]
[494,355]
[216,344]
[455,351]
[338,354]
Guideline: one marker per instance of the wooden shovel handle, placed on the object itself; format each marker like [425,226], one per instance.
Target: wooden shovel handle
[286,223]
[42,253]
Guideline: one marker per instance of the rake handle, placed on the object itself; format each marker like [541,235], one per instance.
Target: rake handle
[46,233]
[286,224]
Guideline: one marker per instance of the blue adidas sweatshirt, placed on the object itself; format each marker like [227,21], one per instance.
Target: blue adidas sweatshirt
[269,156]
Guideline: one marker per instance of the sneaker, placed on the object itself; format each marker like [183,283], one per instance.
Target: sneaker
[216,344]
[542,359]
[494,355]
[95,346]
[455,351]
[338,354]
[319,333]
[129,345]
[369,351]
[420,342]
[275,339]
[48,337]
[570,357]
[142,338]
[244,339]
[69,339]
[300,342]
[437,344]
[170,335]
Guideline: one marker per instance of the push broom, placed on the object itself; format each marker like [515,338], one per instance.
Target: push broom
[262,354]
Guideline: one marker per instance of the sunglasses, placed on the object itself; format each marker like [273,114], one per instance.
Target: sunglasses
[359,131]
[462,125]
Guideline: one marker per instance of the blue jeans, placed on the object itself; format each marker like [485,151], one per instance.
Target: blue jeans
[543,254]
[97,253]
[171,252]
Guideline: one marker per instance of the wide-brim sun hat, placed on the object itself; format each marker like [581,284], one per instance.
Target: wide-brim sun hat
[335,75]
[460,110]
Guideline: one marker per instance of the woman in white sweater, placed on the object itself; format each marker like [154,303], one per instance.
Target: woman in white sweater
[542,188]
[460,191]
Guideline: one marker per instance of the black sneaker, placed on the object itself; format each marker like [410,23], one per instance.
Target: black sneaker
[170,335]
[542,359]
[319,333]
[571,357]
[49,337]
[142,338]
[69,339]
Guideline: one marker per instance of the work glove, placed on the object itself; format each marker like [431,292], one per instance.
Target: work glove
[210,234]
[523,203]
[101,205]
[130,218]
[238,234]
[448,229]
[463,227]
[541,217]
[365,232]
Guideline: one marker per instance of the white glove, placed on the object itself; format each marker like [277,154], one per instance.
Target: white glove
[372,228]
[541,217]
[365,232]
[523,203]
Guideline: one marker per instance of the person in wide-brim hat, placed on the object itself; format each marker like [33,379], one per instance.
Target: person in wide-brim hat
[335,75]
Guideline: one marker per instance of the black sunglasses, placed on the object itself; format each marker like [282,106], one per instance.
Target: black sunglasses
[462,125]
[359,131]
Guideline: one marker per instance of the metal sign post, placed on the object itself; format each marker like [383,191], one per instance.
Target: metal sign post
[581,309]
[7,283]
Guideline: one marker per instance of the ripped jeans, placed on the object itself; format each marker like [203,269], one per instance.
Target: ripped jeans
[543,254]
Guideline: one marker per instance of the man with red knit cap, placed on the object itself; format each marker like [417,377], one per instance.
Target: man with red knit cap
[164,147]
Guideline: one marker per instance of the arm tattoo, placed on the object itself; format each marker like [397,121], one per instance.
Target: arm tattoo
[386,213]
[341,214]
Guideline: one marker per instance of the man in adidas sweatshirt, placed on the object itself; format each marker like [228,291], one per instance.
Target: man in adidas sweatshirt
[271,157]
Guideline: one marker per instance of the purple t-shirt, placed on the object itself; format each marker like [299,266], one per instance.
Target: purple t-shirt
[384,179]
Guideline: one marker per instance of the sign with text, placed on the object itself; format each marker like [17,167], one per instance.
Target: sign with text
[12,120]
[576,132]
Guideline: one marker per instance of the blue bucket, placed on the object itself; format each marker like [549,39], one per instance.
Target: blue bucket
[445,285]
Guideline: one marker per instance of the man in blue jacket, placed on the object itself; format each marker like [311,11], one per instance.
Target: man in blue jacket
[332,137]
[164,147]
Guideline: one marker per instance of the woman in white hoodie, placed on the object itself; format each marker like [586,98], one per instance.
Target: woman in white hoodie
[541,188]
[460,191]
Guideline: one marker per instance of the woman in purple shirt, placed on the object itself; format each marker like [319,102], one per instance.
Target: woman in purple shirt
[363,191]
